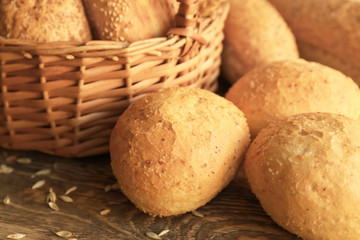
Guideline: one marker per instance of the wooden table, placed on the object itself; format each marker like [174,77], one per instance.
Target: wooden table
[234,214]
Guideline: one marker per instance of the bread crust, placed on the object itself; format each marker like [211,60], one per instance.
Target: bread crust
[44,21]
[332,26]
[174,150]
[128,20]
[255,34]
[305,170]
[284,88]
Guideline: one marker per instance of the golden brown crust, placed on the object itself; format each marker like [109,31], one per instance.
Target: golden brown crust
[329,25]
[305,171]
[174,150]
[255,34]
[289,87]
[128,20]
[44,21]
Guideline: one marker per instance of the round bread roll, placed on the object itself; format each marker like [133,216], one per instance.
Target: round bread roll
[44,21]
[255,34]
[174,150]
[284,88]
[305,170]
[129,20]
[327,31]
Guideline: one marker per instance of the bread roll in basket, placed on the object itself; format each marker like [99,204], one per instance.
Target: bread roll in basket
[63,98]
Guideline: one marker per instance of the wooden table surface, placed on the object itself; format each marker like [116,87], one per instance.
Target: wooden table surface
[234,214]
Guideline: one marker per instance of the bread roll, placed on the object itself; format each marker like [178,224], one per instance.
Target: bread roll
[128,20]
[255,34]
[284,88]
[305,170]
[328,31]
[174,150]
[44,21]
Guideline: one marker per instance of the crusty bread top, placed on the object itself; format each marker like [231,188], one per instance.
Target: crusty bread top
[44,21]
[284,88]
[332,25]
[305,170]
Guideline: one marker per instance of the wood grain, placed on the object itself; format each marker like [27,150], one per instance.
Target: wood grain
[234,214]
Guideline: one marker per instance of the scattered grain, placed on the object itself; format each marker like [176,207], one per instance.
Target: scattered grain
[152,235]
[64,234]
[42,172]
[197,214]
[23,160]
[70,190]
[105,212]
[65,198]
[111,187]
[163,232]
[6,200]
[27,55]
[51,197]
[16,236]
[53,206]
[38,184]
[70,57]
[6,169]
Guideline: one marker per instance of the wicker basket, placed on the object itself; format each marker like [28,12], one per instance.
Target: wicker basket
[64,98]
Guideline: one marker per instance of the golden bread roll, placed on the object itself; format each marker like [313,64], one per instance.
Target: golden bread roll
[124,20]
[284,88]
[174,150]
[255,34]
[44,21]
[305,170]
[327,31]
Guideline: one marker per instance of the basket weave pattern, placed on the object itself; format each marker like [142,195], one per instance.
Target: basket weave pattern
[64,98]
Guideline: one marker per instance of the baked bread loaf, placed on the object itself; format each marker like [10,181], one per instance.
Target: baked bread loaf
[174,150]
[327,31]
[284,88]
[124,20]
[255,34]
[44,21]
[305,170]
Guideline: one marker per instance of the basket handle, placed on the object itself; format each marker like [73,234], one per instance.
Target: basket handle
[186,20]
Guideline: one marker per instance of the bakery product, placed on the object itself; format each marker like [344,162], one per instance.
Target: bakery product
[174,150]
[305,170]
[327,31]
[44,21]
[284,88]
[124,20]
[255,34]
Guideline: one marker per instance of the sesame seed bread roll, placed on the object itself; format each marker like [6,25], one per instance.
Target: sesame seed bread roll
[305,171]
[174,150]
[44,21]
[255,34]
[129,20]
[327,31]
[280,89]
